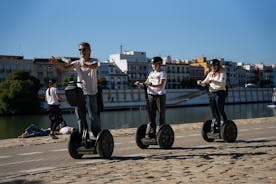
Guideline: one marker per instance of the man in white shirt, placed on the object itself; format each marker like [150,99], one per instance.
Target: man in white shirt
[86,69]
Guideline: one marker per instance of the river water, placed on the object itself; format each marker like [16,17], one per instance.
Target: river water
[13,126]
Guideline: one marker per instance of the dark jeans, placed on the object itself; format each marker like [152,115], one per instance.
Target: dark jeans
[157,103]
[34,131]
[55,116]
[93,115]
[217,102]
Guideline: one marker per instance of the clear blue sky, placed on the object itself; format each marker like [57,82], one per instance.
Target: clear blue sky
[238,30]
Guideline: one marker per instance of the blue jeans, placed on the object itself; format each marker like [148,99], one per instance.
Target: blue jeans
[34,131]
[91,107]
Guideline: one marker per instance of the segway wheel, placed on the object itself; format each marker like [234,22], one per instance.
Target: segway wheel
[165,137]
[140,134]
[105,144]
[74,143]
[206,128]
[229,131]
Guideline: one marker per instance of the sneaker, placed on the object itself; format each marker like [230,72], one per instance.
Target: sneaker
[53,136]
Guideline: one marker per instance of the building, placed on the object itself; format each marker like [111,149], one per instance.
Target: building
[133,63]
[44,71]
[177,73]
[115,78]
[201,61]
[10,64]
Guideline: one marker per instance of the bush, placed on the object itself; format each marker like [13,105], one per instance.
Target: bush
[19,94]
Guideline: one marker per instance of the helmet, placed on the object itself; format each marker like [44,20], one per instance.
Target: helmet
[214,62]
[156,60]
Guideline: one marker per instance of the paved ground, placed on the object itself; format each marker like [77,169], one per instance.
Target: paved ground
[251,159]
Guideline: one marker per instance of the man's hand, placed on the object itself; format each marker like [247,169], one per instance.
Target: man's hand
[149,83]
[136,83]
[53,60]
[199,82]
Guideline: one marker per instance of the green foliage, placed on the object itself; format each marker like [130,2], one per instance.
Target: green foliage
[19,94]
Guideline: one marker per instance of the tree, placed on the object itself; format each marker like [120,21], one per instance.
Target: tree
[19,94]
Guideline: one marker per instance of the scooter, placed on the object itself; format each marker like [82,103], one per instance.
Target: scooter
[210,131]
[80,143]
[165,134]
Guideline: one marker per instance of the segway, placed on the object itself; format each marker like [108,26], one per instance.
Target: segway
[80,143]
[227,131]
[165,134]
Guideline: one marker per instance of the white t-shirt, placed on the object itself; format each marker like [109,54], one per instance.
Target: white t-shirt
[155,78]
[87,77]
[218,81]
[52,99]
[66,130]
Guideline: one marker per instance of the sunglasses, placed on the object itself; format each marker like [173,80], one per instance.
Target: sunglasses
[82,49]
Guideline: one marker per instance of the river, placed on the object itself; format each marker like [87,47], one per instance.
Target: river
[12,126]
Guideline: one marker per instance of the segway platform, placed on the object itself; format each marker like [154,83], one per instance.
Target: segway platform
[228,131]
[103,145]
[149,141]
[164,137]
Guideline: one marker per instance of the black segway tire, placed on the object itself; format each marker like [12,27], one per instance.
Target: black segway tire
[229,131]
[74,143]
[105,144]
[140,134]
[206,128]
[165,136]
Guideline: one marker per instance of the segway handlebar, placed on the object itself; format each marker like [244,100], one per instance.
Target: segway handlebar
[203,86]
[74,82]
[141,84]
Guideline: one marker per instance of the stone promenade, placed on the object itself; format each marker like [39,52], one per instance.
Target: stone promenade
[248,160]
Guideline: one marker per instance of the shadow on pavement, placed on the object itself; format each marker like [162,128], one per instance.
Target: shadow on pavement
[22,181]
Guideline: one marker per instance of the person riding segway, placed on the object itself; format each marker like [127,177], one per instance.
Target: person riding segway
[80,143]
[215,83]
[83,96]
[155,95]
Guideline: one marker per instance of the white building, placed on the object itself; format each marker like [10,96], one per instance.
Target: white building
[236,75]
[115,78]
[177,72]
[133,63]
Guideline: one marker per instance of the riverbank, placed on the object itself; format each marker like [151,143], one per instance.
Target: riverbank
[248,160]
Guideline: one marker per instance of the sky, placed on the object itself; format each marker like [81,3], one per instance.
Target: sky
[236,30]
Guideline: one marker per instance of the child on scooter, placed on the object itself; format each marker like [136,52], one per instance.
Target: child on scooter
[156,82]
[216,79]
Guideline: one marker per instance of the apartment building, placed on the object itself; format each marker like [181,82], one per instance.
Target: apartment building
[133,63]
[115,78]
[44,71]
[10,64]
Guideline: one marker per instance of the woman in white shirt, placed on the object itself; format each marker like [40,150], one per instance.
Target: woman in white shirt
[156,82]
[216,79]
[53,99]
